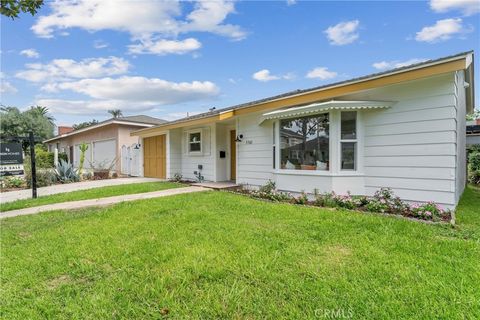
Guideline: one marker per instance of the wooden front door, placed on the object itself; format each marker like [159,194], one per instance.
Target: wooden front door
[155,159]
[233,155]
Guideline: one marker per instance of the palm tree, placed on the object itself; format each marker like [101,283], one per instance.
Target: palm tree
[43,112]
[116,113]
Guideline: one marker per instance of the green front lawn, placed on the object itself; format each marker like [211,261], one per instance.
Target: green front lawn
[214,255]
[90,194]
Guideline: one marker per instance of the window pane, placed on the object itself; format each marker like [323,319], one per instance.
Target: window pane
[194,137]
[349,125]
[195,146]
[349,157]
[304,143]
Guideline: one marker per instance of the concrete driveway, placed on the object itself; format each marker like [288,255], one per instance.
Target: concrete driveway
[69,187]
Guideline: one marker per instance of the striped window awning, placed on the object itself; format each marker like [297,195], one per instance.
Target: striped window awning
[320,107]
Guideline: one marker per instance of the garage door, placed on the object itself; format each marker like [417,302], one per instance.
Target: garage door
[88,156]
[104,154]
[155,165]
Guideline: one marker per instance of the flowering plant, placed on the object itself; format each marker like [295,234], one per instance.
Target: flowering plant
[428,211]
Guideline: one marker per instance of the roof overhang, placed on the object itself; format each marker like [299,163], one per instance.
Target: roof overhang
[99,125]
[321,107]
[404,74]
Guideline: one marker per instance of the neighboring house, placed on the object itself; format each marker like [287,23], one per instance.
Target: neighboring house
[403,129]
[110,144]
[473,132]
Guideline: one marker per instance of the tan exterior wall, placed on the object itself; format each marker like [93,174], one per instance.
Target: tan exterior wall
[119,133]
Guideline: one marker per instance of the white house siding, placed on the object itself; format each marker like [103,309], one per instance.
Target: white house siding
[189,162]
[461,134]
[174,152]
[412,146]
[255,152]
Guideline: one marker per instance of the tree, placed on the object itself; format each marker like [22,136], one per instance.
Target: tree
[14,122]
[116,113]
[85,124]
[12,8]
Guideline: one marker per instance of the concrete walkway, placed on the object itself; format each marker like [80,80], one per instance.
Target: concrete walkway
[69,187]
[72,205]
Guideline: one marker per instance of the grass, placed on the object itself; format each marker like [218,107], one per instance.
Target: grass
[90,194]
[216,255]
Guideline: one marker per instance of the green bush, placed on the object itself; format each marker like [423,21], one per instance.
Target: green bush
[43,158]
[12,182]
[474,167]
[62,156]
[45,176]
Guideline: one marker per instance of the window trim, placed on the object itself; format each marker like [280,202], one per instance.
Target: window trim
[189,143]
[340,141]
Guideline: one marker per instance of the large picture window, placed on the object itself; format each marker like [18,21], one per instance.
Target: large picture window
[348,140]
[304,143]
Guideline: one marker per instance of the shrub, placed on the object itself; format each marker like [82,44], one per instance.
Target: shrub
[62,156]
[428,211]
[301,199]
[43,158]
[383,201]
[12,182]
[177,177]
[45,177]
[269,187]
[474,167]
[269,192]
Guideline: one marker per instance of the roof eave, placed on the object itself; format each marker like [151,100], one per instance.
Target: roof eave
[436,67]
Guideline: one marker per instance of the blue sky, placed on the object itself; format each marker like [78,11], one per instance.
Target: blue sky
[165,59]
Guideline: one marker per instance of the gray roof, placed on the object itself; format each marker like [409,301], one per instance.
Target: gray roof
[300,91]
[142,119]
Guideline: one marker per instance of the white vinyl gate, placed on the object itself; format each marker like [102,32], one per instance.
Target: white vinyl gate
[131,160]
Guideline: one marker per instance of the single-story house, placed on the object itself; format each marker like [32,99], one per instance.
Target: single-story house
[403,129]
[110,145]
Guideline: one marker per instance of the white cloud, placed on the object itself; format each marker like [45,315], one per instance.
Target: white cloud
[64,69]
[100,44]
[442,30]
[384,65]
[5,86]
[130,94]
[343,33]
[142,89]
[30,53]
[467,7]
[139,18]
[208,16]
[92,107]
[265,76]
[163,47]
[291,2]
[321,73]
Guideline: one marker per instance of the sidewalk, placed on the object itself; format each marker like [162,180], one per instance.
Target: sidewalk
[72,205]
[69,187]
